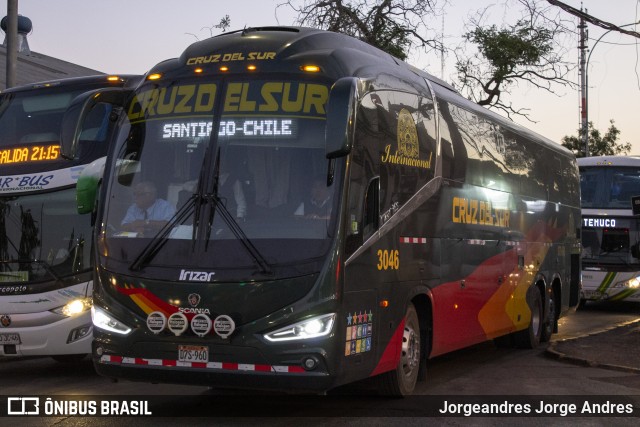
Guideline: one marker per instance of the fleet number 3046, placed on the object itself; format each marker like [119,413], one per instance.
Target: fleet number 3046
[388,259]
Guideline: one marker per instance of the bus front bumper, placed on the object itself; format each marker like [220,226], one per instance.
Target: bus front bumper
[67,336]
[218,373]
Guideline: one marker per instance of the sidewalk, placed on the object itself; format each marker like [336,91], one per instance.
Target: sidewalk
[617,348]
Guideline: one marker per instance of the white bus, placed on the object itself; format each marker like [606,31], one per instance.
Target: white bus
[45,271]
[610,231]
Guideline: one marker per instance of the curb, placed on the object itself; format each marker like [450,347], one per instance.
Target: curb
[552,352]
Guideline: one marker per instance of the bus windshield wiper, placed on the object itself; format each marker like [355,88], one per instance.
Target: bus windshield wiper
[199,198]
[161,237]
[614,250]
[238,232]
[233,225]
[192,205]
[44,264]
[624,261]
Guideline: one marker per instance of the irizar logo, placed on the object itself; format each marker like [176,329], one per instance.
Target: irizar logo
[196,276]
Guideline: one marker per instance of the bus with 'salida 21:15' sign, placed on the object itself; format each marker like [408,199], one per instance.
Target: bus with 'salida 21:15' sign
[293,209]
[45,268]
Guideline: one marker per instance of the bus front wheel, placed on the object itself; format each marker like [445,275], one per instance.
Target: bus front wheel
[402,380]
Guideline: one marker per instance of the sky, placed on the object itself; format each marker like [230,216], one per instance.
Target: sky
[130,36]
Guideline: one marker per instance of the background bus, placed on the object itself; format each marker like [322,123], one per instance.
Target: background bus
[610,231]
[294,209]
[45,275]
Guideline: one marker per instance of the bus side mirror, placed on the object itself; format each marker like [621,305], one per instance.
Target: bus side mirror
[341,117]
[80,107]
[87,186]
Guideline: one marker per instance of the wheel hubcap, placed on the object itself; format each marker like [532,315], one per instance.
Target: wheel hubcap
[410,350]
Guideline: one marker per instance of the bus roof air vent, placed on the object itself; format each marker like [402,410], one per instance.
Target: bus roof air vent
[249,30]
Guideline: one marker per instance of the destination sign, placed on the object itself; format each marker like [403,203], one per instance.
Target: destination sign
[233,128]
[256,128]
[599,222]
[28,154]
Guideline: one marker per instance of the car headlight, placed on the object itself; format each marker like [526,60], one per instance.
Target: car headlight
[103,320]
[314,327]
[75,307]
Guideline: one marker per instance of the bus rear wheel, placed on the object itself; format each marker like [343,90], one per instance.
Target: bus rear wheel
[530,337]
[402,380]
[550,323]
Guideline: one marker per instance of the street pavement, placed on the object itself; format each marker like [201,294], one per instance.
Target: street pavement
[616,348]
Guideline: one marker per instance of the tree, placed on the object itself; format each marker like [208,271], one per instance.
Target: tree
[395,26]
[599,145]
[225,22]
[528,51]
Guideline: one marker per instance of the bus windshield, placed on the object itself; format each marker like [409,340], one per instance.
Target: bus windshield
[222,163]
[609,187]
[42,238]
[30,129]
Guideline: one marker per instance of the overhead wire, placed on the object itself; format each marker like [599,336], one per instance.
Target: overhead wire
[592,19]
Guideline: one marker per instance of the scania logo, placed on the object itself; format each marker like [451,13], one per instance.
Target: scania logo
[5,320]
[194,299]
[196,276]
[190,310]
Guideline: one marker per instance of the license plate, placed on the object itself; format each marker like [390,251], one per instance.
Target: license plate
[9,338]
[193,353]
[591,294]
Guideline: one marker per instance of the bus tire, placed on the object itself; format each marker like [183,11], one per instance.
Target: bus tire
[549,324]
[402,380]
[530,337]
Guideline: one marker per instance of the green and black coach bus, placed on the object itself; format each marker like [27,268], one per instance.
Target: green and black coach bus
[289,208]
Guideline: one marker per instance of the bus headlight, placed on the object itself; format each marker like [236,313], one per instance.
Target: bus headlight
[314,327]
[75,307]
[103,320]
[632,283]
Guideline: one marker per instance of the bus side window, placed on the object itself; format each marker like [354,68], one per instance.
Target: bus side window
[371,216]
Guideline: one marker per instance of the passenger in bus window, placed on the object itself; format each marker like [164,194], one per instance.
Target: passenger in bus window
[148,212]
[318,201]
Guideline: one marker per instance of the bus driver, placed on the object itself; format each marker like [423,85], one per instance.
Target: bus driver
[148,212]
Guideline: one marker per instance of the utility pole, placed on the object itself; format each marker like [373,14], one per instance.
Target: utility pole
[584,84]
[12,42]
